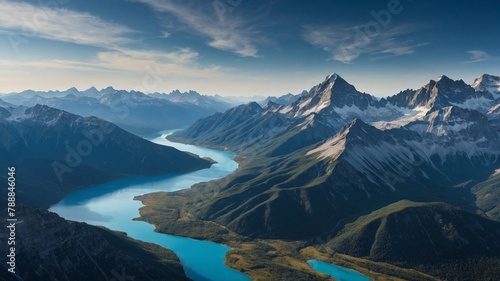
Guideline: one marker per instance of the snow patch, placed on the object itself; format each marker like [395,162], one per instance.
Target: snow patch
[408,116]
[330,149]
[309,121]
[305,103]
[286,109]
[496,173]
[481,104]
[18,114]
[494,110]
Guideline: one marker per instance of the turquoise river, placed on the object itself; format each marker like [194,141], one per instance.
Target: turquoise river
[111,205]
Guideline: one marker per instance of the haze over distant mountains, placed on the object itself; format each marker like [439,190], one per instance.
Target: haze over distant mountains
[60,152]
[134,111]
[335,163]
[56,152]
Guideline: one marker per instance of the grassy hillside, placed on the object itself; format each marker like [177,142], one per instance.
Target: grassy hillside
[435,238]
[262,259]
[488,196]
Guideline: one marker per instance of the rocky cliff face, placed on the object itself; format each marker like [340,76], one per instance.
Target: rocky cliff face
[331,157]
[488,83]
[51,248]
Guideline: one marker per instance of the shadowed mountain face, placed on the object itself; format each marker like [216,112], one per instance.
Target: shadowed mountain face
[340,166]
[315,168]
[430,236]
[360,168]
[336,164]
[51,248]
[443,92]
[335,102]
[57,152]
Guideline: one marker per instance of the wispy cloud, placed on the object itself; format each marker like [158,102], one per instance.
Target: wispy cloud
[176,63]
[60,24]
[179,56]
[346,43]
[225,30]
[129,61]
[115,51]
[478,56]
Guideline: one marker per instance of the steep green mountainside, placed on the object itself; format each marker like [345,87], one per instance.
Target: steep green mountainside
[309,168]
[488,196]
[435,238]
[240,128]
[318,188]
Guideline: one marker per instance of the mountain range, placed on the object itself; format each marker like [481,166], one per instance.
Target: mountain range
[283,100]
[410,180]
[134,111]
[58,152]
[314,167]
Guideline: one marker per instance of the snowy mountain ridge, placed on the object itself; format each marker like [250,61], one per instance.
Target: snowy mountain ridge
[134,111]
[488,83]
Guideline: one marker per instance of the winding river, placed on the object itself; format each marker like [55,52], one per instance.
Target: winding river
[112,205]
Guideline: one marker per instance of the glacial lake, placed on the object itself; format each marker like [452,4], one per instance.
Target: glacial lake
[111,205]
[337,272]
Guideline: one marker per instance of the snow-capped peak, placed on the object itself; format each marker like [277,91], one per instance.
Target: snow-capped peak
[108,90]
[333,92]
[488,83]
[444,78]
[332,77]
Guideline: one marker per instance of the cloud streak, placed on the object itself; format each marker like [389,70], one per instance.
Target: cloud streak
[478,56]
[347,43]
[225,30]
[115,53]
[60,24]
[129,61]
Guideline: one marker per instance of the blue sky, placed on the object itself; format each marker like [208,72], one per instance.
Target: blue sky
[244,47]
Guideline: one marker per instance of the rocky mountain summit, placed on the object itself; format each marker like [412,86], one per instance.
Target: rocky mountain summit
[335,155]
